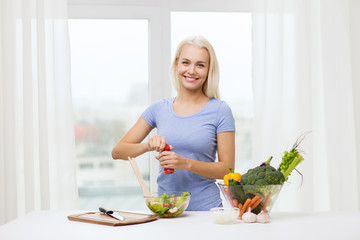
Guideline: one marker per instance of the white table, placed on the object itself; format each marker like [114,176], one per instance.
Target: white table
[191,225]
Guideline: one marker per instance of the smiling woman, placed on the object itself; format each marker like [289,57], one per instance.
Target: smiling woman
[196,125]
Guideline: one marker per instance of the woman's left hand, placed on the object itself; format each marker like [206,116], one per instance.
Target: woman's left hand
[170,159]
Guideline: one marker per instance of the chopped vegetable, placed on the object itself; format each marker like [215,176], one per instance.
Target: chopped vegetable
[232,178]
[169,206]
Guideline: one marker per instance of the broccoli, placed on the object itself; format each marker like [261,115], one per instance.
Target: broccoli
[262,175]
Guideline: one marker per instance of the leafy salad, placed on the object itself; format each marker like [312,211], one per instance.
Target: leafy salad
[169,206]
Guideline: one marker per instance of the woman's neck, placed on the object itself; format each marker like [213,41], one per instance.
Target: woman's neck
[188,104]
[191,98]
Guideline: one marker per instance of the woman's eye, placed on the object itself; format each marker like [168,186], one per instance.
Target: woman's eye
[185,62]
[201,65]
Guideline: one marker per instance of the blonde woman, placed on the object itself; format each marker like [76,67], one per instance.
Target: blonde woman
[196,125]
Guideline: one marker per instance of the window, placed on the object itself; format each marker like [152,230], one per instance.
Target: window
[121,53]
[109,60]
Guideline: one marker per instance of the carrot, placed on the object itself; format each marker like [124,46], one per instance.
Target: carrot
[266,201]
[254,199]
[256,203]
[245,207]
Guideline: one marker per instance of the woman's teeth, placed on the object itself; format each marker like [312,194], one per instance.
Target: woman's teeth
[190,78]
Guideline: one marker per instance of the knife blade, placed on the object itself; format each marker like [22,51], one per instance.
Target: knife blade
[112,214]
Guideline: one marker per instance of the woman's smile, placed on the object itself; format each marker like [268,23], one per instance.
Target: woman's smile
[190,79]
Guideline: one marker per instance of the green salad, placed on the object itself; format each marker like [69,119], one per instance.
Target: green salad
[169,206]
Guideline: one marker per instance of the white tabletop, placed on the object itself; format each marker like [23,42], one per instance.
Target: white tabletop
[191,225]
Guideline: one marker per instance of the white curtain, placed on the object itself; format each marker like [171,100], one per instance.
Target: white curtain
[37,150]
[305,58]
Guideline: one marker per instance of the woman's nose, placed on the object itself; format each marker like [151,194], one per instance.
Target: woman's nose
[191,68]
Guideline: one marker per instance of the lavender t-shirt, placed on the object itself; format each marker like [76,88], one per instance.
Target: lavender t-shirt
[194,137]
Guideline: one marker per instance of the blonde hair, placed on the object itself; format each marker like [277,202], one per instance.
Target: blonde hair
[211,85]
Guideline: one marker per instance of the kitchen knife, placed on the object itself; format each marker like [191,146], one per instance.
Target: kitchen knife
[112,214]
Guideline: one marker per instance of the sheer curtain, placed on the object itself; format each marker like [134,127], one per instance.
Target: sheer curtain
[304,61]
[37,153]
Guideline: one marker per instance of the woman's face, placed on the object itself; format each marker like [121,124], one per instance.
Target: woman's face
[193,67]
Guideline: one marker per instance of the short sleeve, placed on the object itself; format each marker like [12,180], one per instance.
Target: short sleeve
[226,122]
[149,115]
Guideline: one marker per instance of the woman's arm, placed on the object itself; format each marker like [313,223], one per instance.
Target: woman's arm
[130,145]
[215,170]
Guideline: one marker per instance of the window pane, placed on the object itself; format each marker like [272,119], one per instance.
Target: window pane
[109,61]
[230,35]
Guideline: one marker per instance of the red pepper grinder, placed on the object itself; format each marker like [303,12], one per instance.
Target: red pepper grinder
[168,170]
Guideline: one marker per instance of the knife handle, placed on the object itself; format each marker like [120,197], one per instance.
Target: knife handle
[102,210]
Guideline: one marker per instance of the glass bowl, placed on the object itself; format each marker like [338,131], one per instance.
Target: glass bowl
[169,204]
[223,215]
[238,194]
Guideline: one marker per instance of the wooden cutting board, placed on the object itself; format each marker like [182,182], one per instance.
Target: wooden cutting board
[100,218]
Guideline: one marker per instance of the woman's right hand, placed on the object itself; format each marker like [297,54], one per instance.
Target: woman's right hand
[156,143]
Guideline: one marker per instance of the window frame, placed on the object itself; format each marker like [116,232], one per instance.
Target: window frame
[158,14]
